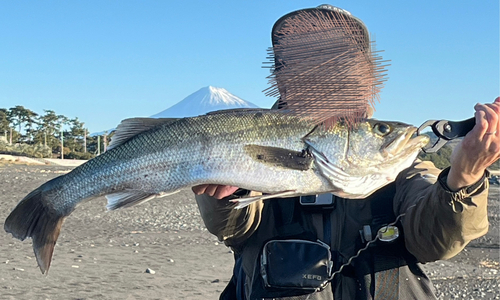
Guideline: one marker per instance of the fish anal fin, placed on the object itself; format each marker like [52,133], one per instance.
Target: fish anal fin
[286,158]
[129,198]
[31,218]
[129,128]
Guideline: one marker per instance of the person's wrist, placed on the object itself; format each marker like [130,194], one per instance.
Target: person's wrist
[457,180]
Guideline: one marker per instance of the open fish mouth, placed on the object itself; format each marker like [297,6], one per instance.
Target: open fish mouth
[406,142]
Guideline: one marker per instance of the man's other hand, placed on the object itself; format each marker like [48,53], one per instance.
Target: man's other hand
[478,150]
[214,190]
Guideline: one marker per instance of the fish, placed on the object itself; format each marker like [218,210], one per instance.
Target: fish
[262,150]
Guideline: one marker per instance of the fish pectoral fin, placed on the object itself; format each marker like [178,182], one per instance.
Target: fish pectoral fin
[279,157]
[129,128]
[245,201]
[129,198]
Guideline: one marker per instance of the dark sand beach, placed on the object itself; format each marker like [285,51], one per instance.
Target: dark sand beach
[105,255]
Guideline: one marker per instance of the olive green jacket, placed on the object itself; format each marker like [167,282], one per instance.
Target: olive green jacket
[437,223]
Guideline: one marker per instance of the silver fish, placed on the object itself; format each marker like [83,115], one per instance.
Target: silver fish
[262,150]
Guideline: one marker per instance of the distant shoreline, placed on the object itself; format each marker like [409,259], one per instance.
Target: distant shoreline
[41,161]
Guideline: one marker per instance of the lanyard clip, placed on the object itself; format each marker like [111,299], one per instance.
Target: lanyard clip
[446,131]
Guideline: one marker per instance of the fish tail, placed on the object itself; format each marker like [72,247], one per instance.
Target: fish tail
[32,218]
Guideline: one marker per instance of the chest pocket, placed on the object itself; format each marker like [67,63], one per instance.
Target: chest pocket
[296,264]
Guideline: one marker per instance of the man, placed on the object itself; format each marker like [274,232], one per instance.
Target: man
[425,215]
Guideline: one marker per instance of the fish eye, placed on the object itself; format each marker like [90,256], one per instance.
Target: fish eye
[382,129]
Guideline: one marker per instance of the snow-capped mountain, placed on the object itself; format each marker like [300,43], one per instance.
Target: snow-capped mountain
[202,101]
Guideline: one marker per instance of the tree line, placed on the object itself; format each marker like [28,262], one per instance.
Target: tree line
[20,125]
[441,158]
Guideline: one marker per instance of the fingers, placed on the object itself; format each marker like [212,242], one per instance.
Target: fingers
[211,189]
[487,120]
[223,191]
[214,190]
[208,189]
[496,108]
[488,126]
[481,122]
[199,189]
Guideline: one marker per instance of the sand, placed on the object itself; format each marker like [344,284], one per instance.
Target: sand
[106,255]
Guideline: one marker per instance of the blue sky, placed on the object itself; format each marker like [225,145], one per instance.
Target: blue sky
[103,61]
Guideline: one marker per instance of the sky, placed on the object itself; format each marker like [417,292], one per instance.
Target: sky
[104,61]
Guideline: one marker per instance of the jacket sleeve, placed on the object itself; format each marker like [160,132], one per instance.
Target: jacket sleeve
[439,223]
[231,226]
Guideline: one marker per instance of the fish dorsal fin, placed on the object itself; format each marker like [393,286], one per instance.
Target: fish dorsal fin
[236,110]
[133,126]
[280,157]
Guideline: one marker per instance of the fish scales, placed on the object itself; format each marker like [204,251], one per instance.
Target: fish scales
[263,150]
[187,152]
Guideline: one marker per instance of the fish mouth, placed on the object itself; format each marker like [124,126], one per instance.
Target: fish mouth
[407,141]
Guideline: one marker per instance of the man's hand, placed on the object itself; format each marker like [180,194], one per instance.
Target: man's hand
[478,150]
[213,190]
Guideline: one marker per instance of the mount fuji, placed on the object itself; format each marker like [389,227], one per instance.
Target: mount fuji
[204,100]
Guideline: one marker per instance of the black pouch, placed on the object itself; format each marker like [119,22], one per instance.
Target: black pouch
[296,264]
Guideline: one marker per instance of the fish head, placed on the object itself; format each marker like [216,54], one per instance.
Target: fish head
[375,145]
[374,153]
